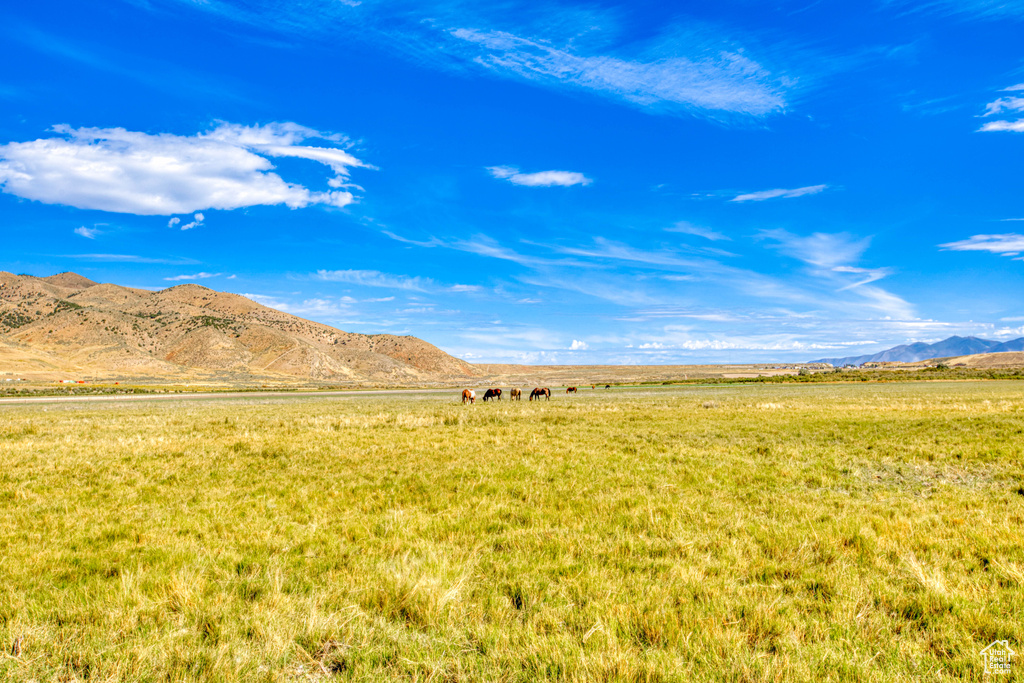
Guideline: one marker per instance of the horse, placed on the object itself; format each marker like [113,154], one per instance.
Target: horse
[469,395]
[537,393]
[515,394]
[570,390]
[607,386]
[593,386]
[492,393]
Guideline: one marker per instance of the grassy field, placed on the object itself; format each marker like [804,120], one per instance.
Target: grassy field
[736,533]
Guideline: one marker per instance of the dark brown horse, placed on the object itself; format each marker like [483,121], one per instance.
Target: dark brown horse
[492,393]
[570,390]
[515,394]
[537,393]
[468,395]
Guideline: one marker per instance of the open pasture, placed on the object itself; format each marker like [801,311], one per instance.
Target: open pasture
[741,533]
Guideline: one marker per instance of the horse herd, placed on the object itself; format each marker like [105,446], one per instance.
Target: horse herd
[515,394]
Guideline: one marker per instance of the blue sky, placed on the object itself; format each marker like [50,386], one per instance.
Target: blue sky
[640,182]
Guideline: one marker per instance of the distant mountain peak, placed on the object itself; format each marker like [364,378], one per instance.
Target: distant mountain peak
[918,351]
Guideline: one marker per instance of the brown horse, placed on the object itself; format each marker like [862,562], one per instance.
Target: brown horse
[469,395]
[492,393]
[570,390]
[593,386]
[537,393]
[515,394]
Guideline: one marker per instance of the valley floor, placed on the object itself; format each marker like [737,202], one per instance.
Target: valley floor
[862,532]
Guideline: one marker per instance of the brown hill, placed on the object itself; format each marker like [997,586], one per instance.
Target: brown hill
[66,324]
[990,361]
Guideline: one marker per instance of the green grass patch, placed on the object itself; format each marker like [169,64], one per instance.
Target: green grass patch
[732,533]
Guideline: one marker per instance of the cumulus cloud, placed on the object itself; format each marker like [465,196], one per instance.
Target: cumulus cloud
[578,345]
[1004,126]
[540,178]
[193,276]
[122,171]
[1009,244]
[88,233]
[196,221]
[1003,105]
[779,194]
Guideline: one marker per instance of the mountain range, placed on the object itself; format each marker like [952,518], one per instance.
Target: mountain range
[947,348]
[66,325]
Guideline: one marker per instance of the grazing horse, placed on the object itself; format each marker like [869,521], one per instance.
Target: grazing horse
[515,394]
[537,393]
[468,395]
[570,390]
[492,393]
[607,386]
[593,386]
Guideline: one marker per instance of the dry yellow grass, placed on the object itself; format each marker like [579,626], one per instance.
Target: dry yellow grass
[754,533]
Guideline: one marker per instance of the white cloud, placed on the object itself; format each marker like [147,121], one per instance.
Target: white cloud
[132,258]
[688,228]
[825,250]
[779,194]
[1004,104]
[540,178]
[193,276]
[113,169]
[374,278]
[707,80]
[465,288]
[578,345]
[88,233]
[1010,244]
[196,222]
[1004,126]
[174,221]
[981,9]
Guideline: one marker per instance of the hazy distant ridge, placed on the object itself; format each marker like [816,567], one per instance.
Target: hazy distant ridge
[910,353]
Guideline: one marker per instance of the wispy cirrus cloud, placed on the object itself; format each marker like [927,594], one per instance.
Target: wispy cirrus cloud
[375,278]
[1008,244]
[1003,105]
[132,258]
[88,233]
[695,68]
[193,276]
[688,228]
[540,178]
[122,171]
[699,79]
[779,194]
[975,9]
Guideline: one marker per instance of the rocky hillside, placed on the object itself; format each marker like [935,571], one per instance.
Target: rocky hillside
[65,323]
